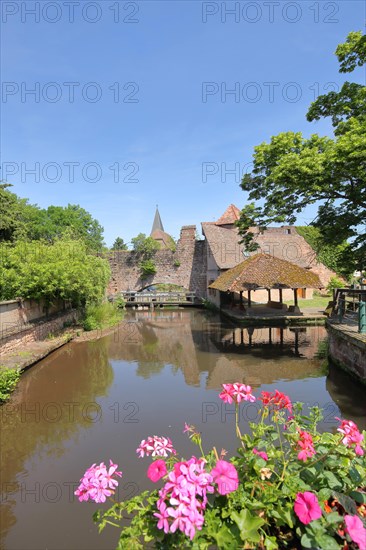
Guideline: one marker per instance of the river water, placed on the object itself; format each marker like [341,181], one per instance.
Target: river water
[95,400]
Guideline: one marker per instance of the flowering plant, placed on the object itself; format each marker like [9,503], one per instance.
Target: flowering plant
[289,486]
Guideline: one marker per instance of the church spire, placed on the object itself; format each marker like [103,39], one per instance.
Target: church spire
[158,224]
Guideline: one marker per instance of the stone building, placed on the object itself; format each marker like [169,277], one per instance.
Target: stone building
[194,264]
[225,252]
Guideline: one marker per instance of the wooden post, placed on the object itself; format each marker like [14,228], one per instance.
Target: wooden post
[269,294]
[249,299]
[280,294]
[295,296]
[296,342]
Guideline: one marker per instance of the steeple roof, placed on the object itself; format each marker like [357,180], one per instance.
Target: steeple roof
[231,214]
[158,224]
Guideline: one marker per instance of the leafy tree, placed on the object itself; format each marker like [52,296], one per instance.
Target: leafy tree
[335,257]
[292,172]
[63,270]
[147,246]
[14,214]
[71,220]
[21,220]
[119,244]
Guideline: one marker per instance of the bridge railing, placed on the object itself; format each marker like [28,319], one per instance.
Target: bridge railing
[161,297]
[349,305]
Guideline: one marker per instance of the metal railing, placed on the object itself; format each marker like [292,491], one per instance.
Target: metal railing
[349,304]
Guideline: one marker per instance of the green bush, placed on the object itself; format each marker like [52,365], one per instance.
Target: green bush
[147,267]
[334,283]
[99,316]
[8,381]
[64,270]
[120,302]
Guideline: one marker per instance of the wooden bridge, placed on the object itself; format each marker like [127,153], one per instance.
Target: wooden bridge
[159,299]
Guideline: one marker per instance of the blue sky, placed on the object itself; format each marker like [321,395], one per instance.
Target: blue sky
[132,105]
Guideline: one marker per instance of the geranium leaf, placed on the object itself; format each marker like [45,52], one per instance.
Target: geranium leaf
[333,481]
[358,497]
[270,543]
[308,541]
[248,525]
[347,503]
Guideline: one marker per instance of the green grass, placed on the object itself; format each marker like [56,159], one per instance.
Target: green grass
[8,381]
[317,301]
[102,316]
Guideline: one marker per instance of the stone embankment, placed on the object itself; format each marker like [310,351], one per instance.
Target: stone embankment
[347,348]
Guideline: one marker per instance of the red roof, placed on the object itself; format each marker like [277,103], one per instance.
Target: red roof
[231,214]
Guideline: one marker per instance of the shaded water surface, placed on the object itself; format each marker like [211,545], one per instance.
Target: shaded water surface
[91,401]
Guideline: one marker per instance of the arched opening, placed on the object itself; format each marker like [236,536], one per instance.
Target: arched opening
[163,287]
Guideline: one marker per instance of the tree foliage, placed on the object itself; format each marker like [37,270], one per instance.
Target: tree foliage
[119,244]
[64,270]
[335,257]
[21,220]
[292,172]
[147,246]
[14,214]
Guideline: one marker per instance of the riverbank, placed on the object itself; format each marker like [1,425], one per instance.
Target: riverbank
[33,352]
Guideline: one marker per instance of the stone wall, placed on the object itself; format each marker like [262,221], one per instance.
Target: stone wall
[33,332]
[16,313]
[186,267]
[348,350]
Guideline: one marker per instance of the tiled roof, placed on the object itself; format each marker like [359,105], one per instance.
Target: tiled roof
[282,242]
[265,271]
[163,238]
[223,243]
[231,214]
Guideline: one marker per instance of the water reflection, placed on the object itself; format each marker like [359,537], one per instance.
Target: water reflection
[47,412]
[348,394]
[94,400]
[197,343]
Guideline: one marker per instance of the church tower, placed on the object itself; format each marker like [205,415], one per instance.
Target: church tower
[158,233]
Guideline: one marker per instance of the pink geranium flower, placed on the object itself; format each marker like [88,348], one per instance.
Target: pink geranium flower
[163,517]
[356,530]
[305,444]
[156,470]
[262,454]
[352,435]
[306,507]
[97,483]
[156,446]
[226,477]
[186,493]
[236,393]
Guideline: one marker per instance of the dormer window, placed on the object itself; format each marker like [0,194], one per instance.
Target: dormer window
[288,231]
